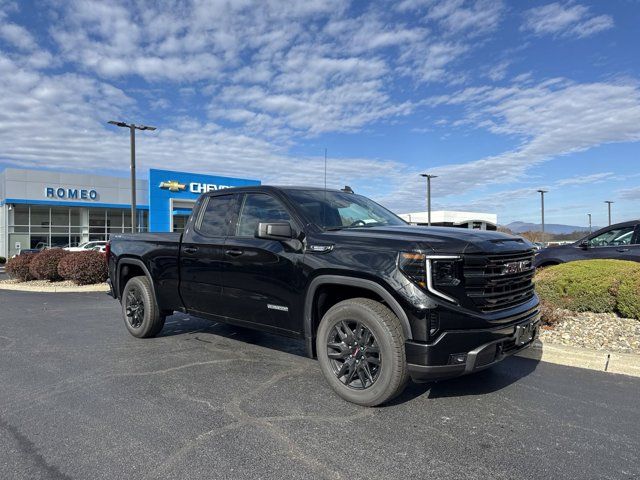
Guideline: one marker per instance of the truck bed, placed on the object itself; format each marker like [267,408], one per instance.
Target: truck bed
[160,254]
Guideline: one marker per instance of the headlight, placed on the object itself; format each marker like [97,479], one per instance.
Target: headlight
[431,271]
[445,272]
[413,266]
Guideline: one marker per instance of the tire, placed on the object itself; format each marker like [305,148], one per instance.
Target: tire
[140,312]
[389,376]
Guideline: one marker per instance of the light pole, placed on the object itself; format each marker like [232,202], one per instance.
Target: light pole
[609,202]
[428,177]
[542,192]
[589,215]
[132,130]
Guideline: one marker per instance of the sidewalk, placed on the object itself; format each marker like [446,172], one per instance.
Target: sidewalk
[601,360]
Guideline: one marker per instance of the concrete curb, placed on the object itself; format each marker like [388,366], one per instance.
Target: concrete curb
[102,287]
[603,361]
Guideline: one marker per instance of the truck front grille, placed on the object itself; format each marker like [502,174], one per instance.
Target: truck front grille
[499,281]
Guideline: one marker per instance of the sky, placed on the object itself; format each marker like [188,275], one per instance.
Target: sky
[496,98]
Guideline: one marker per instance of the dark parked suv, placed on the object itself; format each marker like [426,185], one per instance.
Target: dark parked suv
[376,300]
[620,242]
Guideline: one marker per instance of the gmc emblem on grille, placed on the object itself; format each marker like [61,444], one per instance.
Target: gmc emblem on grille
[516,267]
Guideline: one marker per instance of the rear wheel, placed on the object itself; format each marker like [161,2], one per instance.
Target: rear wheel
[360,347]
[141,314]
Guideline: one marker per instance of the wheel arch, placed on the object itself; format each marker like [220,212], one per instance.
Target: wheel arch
[124,271]
[310,322]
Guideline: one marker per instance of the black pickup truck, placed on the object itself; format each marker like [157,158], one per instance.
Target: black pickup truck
[375,299]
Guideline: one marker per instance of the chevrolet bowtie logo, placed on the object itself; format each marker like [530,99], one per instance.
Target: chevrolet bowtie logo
[173,186]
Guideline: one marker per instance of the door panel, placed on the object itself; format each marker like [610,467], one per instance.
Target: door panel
[262,278]
[260,283]
[614,243]
[201,256]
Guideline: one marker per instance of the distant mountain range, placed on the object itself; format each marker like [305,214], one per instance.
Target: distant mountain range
[553,228]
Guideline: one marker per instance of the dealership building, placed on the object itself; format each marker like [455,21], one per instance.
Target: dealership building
[448,218]
[41,208]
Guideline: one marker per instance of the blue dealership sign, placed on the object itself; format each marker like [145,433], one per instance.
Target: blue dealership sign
[169,191]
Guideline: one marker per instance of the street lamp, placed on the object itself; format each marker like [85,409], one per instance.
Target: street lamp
[428,177]
[542,192]
[132,129]
[609,202]
[589,215]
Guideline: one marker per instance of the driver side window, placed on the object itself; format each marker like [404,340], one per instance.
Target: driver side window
[613,238]
[259,207]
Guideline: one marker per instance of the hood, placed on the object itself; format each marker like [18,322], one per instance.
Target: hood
[438,239]
[555,248]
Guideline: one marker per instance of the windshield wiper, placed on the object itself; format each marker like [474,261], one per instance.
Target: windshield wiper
[344,227]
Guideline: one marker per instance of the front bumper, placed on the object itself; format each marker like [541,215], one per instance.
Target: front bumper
[460,352]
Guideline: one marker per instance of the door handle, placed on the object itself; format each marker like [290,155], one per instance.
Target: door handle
[190,249]
[234,252]
[621,250]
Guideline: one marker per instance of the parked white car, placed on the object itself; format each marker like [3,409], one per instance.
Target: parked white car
[98,245]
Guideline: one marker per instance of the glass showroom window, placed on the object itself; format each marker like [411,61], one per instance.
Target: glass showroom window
[41,227]
[143,220]
[40,222]
[59,227]
[18,228]
[75,227]
[104,223]
[97,225]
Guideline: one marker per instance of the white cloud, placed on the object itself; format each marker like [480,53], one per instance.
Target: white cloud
[16,35]
[630,194]
[458,16]
[58,121]
[565,19]
[550,120]
[585,179]
[498,71]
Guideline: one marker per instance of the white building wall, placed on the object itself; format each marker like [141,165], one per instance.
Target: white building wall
[450,216]
[32,184]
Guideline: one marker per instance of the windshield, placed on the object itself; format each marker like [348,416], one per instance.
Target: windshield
[337,210]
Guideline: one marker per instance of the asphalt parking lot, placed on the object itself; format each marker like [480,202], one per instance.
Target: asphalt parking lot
[82,399]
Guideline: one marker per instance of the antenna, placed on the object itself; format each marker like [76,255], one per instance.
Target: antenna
[325,169]
[324,204]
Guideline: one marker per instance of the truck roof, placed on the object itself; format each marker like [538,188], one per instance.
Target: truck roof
[271,188]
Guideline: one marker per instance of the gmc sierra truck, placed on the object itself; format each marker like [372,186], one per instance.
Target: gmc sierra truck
[376,300]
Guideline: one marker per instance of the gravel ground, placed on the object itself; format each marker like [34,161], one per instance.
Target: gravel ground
[47,286]
[598,331]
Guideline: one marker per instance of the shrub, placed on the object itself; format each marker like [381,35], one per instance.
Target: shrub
[549,313]
[3,260]
[65,266]
[601,286]
[18,267]
[84,268]
[44,265]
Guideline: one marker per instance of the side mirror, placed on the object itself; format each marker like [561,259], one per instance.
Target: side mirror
[584,244]
[275,231]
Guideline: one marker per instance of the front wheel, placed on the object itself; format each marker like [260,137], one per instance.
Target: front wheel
[142,317]
[360,347]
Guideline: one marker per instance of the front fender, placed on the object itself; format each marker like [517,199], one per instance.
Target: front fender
[363,283]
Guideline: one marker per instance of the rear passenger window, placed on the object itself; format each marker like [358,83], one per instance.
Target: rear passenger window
[259,207]
[215,219]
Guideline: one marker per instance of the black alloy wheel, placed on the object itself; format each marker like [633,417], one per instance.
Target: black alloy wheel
[354,354]
[361,351]
[134,307]
[140,312]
